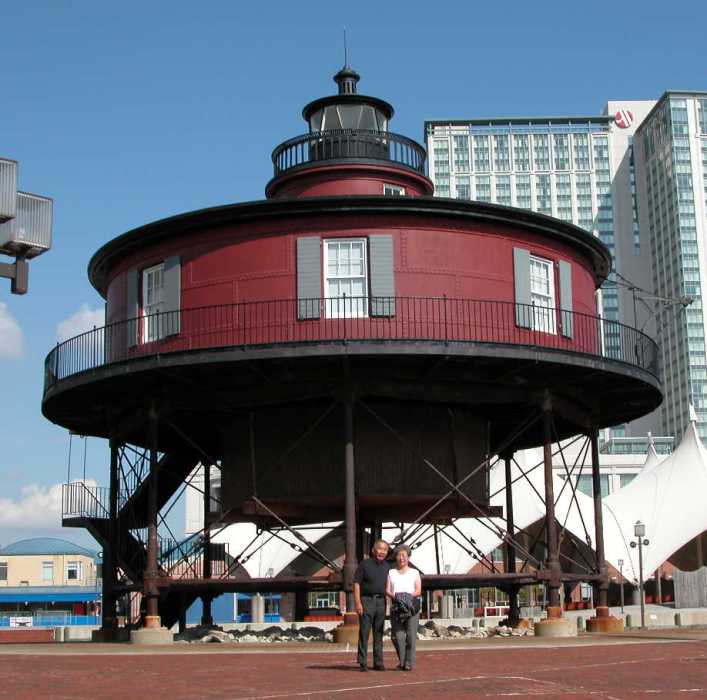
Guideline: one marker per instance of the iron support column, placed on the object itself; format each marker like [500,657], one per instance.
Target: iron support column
[152,615]
[350,562]
[206,617]
[553,556]
[602,602]
[658,587]
[110,554]
[510,563]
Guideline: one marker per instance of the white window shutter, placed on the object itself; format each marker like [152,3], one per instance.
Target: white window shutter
[172,280]
[566,315]
[382,275]
[132,306]
[309,280]
[521,279]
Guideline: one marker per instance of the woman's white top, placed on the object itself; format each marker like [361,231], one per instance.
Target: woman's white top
[403,583]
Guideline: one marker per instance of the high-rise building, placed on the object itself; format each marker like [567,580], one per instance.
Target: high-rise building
[578,169]
[671,169]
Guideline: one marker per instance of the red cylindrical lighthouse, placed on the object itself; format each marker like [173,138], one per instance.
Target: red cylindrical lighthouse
[350,348]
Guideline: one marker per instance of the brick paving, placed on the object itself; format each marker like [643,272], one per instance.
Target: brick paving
[617,667]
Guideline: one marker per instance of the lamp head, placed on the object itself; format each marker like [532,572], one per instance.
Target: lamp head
[639,529]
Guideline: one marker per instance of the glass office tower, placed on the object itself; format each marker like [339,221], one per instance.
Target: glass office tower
[671,169]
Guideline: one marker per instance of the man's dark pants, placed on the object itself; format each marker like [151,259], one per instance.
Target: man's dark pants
[373,618]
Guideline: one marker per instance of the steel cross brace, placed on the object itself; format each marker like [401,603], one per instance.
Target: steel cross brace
[298,535]
[454,487]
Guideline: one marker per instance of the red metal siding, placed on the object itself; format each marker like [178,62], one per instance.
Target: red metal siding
[348,180]
[252,262]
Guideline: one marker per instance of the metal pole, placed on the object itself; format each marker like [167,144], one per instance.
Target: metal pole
[640,581]
[602,602]
[350,563]
[621,576]
[658,587]
[510,564]
[110,553]
[206,617]
[554,609]
[152,616]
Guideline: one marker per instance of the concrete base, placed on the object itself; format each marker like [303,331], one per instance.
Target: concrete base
[556,627]
[348,632]
[149,636]
[605,624]
[345,634]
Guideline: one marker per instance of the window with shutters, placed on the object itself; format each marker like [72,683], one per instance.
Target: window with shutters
[152,302]
[345,278]
[542,295]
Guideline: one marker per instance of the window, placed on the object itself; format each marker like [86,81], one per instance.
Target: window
[463,188]
[47,571]
[152,302]
[461,154]
[521,152]
[73,571]
[483,188]
[3,571]
[542,294]
[482,154]
[324,599]
[503,190]
[345,283]
[393,190]
[541,151]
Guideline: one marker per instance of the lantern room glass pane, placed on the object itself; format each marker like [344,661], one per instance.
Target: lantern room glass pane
[368,119]
[349,115]
[315,121]
[331,119]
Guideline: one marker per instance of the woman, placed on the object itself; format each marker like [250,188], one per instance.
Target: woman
[404,588]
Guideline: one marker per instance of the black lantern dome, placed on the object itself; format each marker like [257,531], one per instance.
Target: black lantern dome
[348,109]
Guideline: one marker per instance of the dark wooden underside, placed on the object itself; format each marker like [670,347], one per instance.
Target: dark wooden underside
[203,391]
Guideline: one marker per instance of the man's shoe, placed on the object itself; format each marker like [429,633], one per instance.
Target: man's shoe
[363,668]
[379,668]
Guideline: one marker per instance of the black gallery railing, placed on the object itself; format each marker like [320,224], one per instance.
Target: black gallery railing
[339,144]
[294,321]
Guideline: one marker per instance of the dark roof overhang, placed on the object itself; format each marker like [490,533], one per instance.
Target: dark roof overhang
[354,99]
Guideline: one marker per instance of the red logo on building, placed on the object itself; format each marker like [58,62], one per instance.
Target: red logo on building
[623,118]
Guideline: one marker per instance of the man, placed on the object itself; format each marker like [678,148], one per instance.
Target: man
[369,596]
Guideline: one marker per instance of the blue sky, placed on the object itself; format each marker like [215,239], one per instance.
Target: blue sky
[128,112]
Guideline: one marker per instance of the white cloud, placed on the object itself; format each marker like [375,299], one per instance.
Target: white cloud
[37,509]
[10,335]
[83,320]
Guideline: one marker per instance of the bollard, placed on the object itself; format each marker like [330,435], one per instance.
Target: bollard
[581,624]
[58,634]
[678,620]
[629,620]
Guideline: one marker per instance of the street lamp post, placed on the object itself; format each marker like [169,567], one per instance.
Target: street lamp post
[621,583]
[639,530]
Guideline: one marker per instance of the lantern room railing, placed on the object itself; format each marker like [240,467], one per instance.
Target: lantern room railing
[308,321]
[344,144]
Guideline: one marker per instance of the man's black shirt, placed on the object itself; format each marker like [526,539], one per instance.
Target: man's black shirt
[372,576]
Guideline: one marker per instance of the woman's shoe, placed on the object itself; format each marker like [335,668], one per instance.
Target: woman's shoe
[407,667]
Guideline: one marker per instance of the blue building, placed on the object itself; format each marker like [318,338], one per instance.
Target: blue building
[46,581]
